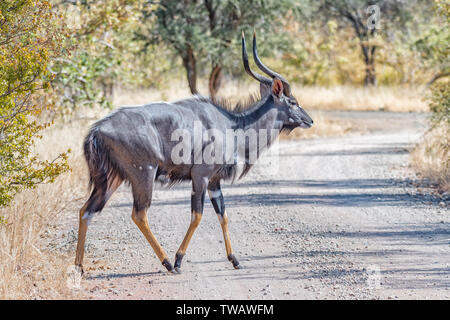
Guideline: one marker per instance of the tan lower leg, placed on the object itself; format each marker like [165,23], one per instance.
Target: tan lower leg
[84,221]
[140,218]
[226,236]
[82,229]
[195,221]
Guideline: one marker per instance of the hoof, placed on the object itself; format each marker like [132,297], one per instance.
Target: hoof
[168,265]
[177,270]
[234,261]
[178,258]
[237,267]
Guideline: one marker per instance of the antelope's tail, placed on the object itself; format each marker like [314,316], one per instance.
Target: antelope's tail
[104,175]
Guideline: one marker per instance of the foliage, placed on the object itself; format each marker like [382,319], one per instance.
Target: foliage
[209,32]
[439,102]
[29,39]
[88,75]
[374,24]
[79,79]
[436,49]
[431,157]
[320,58]
[135,43]
[330,56]
[434,43]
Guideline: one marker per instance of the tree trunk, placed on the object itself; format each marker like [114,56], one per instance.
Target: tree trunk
[368,51]
[370,78]
[190,65]
[107,89]
[215,78]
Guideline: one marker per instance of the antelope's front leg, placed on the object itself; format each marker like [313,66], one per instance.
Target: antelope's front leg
[215,194]
[197,202]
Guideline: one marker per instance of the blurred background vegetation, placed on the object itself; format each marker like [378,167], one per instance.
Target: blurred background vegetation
[62,56]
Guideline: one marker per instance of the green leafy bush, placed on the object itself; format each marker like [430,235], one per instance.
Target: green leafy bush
[439,101]
[29,38]
[86,77]
[79,81]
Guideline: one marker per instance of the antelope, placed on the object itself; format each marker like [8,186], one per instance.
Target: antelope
[134,144]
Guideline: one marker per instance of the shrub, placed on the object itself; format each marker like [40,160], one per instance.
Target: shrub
[29,39]
[431,157]
[439,101]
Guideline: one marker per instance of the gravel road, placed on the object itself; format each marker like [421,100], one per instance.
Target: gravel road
[315,219]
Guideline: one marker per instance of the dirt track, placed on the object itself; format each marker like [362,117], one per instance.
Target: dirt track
[338,220]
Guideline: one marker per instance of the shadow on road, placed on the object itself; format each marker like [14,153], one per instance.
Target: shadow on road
[355,152]
[122,275]
[347,199]
[435,234]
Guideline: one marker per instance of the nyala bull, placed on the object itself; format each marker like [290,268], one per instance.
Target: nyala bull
[135,144]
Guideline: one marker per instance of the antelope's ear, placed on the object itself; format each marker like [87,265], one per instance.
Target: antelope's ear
[277,87]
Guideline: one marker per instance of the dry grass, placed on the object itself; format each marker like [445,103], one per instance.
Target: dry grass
[29,270]
[431,158]
[396,99]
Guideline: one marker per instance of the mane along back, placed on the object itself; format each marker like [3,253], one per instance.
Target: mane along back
[239,108]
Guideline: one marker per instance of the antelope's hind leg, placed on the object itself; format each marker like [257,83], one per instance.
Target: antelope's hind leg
[216,197]
[140,219]
[95,203]
[142,194]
